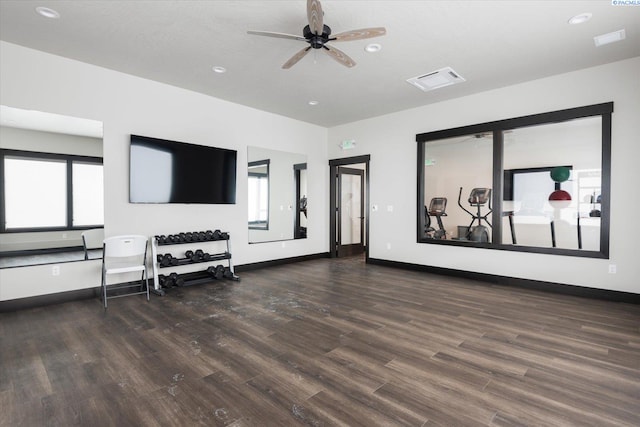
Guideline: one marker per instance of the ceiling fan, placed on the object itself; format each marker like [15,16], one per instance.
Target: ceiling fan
[317,35]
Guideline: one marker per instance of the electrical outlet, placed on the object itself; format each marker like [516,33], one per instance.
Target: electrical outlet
[55,270]
[613,269]
[374,208]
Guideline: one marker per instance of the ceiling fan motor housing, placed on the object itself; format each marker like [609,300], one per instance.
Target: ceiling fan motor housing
[316,41]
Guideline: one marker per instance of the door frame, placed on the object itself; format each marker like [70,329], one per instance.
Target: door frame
[356,248]
[333,208]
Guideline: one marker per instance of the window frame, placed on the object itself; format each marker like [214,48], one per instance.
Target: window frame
[497,128]
[70,159]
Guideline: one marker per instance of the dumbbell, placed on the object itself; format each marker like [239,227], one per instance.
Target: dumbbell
[165,281]
[228,274]
[211,271]
[209,234]
[188,237]
[188,254]
[224,235]
[217,235]
[166,260]
[176,279]
[206,256]
[216,272]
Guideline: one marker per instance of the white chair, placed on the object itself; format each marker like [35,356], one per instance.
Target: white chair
[92,239]
[124,254]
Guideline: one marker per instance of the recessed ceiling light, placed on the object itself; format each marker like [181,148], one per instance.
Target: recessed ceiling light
[47,12]
[613,37]
[218,69]
[579,19]
[373,47]
[312,103]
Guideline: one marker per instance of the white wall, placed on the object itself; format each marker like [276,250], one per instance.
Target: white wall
[390,140]
[127,104]
[130,105]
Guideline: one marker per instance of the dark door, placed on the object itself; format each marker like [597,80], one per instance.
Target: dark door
[350,211]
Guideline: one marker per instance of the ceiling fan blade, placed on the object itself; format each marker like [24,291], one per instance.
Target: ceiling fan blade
[340,56]
[314,14]
[363,33]
[295,58]
[278,35]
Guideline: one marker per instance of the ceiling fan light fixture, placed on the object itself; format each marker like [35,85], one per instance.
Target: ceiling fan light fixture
[313,103]
[436,79]
[373,47]
[219,70]
[47,12]
[580,18]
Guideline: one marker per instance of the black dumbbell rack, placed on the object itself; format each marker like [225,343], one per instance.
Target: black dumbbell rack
[163,247]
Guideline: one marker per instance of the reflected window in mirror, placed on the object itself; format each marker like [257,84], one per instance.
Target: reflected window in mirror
[258,189]
[537,183]
[45,191]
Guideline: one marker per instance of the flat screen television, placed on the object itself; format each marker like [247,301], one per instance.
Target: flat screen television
[162,171]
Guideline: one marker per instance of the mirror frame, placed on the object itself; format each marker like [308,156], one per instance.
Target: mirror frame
[497,129]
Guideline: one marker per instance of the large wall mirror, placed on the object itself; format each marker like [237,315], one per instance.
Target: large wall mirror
[537,183]
[277,195]
[52,188]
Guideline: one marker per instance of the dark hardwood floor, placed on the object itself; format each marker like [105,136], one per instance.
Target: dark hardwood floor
[322,343]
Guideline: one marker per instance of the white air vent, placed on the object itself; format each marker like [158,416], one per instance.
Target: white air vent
[603,39]
[436,79]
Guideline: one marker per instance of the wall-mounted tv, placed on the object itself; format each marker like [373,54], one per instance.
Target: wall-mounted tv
[162,171]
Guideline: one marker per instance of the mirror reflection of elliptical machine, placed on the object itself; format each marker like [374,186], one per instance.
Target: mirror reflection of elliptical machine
[437,208]
[478,198]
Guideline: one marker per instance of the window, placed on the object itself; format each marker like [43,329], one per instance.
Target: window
[43,192]
[537,183]
[259,195]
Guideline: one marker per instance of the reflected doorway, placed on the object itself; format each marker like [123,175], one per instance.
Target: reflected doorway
[349,201]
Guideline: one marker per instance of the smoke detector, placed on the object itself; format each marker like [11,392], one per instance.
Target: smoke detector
[436,79]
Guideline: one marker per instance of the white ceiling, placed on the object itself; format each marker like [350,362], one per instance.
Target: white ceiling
[490,43]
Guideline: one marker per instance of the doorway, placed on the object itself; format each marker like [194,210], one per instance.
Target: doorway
[349,206]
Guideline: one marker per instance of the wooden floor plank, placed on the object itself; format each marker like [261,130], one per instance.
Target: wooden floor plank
[322,343]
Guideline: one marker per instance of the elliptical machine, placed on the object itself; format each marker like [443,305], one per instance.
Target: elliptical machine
[478,198]
[437,208]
